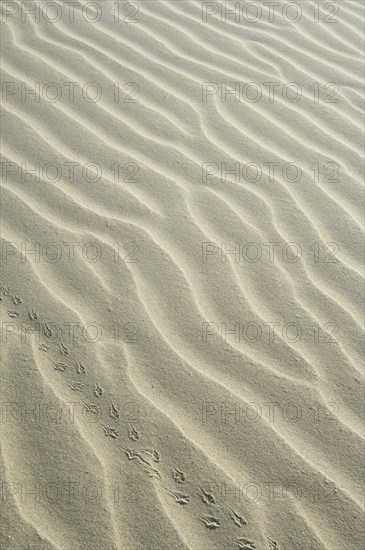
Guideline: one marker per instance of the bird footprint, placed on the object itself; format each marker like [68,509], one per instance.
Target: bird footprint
[113,412]
[152,472]
[47,331]
[13,313]
[180,498]
[238,520]
[207,497]
[272,544]
[98,391]
[110,432]
[211,522]
[134,455]
[77,386]
[131,454]
[63,349]
[6,290]
[80,369]
[245,544]
[33,315]
[133,434]
[178,475]
[155,454]
[43,347]
[60,366]
[91,407]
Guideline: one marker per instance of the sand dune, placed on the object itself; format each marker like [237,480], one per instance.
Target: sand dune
[182,275]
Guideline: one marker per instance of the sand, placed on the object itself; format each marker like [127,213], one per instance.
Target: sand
[182,275]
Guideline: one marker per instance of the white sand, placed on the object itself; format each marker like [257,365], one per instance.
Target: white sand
[130,418]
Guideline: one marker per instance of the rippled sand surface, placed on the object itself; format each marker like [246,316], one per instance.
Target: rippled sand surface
[182,275]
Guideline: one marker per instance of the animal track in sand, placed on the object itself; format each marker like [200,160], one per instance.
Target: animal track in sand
[178,475]
[91,407]
[47,331]
[60,366]
[272,544]
[110,432]
[16,300]
[80,368]
[33,315]
[245,544]
[238,520]
[180,498]
[12,313]
[63,349]
[77,386]
[208,498]
[6,290]
[135,455]
[98,391]
[43,347]
[211,522]
[113,412]
[131,454]
[155,454]
[133,433]
[152,472]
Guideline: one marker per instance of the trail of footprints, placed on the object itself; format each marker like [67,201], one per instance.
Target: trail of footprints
[145,458]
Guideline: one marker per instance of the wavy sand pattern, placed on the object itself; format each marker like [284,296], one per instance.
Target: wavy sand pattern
[130,418]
